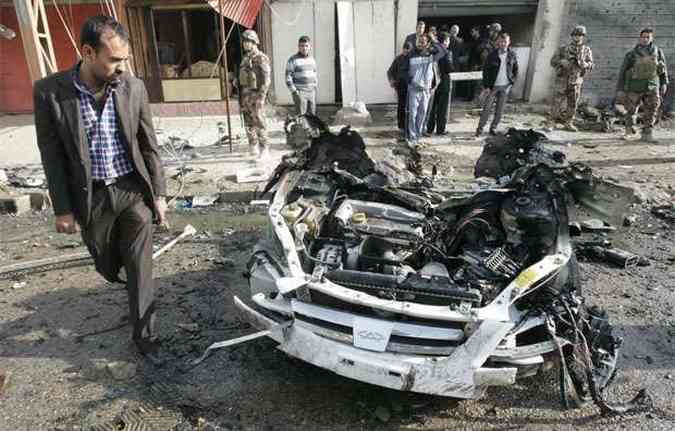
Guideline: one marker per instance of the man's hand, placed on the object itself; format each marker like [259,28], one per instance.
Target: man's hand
[66,224]
[160,211]
[664,90]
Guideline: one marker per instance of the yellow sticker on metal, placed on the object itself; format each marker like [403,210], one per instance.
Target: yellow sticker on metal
[525,279]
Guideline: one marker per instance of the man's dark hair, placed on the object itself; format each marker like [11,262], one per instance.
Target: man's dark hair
[304,39]
[94,27]
[421,22]
[444,36]
[504,35]
[407,46]
[647,30]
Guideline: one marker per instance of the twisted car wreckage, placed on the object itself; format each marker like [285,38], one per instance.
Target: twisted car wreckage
[436,290]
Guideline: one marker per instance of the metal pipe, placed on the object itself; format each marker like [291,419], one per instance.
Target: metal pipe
[227,90]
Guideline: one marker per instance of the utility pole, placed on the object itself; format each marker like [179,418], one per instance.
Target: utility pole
[37,40]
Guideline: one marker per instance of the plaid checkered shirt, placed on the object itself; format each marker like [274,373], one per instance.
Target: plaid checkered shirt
[109,158]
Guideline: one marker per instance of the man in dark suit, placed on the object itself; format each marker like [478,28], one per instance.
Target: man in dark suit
[100,155]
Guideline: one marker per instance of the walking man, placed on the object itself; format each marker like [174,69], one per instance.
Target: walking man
[499,74]
[254,81]
[301,77]
[438,118]
[572,63]
[643,80]
[100,156]
[421,64]
[398,79]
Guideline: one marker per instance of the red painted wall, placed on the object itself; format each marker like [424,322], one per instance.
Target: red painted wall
[16,89]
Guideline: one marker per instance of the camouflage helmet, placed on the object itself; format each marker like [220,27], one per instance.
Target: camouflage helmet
[250,35]
[579,30]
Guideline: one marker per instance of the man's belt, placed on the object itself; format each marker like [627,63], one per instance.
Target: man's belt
[97,183]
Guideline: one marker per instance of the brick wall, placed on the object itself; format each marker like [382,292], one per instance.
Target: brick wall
[613,29]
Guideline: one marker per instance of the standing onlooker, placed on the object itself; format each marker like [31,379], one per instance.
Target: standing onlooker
[301,77]
[433,34]
[100,155]
[456,43]
[643,80]
[438,117]
[420,80]
[572,62]
[254,82]
[472,50]
[499,74]
[419,31]
[398,79]
[494,30]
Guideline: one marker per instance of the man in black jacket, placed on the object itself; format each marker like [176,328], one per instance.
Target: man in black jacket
[398,80]
[499,74]
[438,116]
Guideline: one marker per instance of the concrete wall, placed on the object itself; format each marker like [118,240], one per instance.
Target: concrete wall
[379,28]
[614,27]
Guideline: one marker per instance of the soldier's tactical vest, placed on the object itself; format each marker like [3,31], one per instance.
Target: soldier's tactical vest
[644,75]
[248,80]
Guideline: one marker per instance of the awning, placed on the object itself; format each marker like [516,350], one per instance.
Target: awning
[242,12]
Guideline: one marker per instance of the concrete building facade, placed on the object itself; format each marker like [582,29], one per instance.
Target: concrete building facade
[354,41]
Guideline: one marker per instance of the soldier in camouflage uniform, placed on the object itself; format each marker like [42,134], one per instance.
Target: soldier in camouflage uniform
[572,63]
[254,81]
[643,80]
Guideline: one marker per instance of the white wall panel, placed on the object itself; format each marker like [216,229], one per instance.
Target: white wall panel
[375,34]
[345,18]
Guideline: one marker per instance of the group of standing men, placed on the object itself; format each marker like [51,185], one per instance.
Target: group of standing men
[421,77]
[643,81]
[255,79]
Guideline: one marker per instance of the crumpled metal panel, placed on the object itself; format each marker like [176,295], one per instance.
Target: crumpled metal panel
[243,12]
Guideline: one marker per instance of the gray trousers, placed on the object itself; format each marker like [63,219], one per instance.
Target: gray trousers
[119,235]
[418,104]
[305,101]
[497,97]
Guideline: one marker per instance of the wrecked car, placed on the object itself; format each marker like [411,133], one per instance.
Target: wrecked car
[435,290]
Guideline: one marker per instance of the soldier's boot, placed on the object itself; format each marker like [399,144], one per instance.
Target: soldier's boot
[569,126]
[648,136]
[264,152]
[628,132]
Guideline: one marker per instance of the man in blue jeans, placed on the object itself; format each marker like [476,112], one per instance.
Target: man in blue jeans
[499,74]
[421,73]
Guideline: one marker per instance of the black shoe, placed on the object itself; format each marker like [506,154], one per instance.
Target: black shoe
[426,134]
[492,132]
[151,350]
[442,133]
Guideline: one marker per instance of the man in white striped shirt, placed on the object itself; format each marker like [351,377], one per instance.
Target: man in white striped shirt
[301,77]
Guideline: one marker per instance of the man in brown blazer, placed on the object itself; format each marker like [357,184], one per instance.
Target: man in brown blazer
[100,155]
